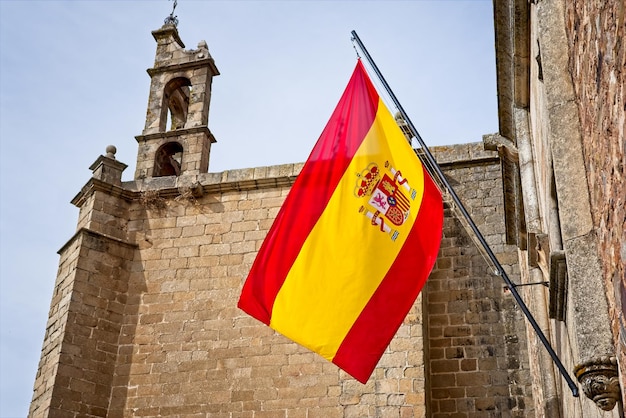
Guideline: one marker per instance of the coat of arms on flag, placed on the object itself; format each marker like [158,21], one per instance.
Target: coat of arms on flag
[390,197]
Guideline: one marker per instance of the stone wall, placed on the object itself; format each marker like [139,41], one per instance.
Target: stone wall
[80,349]
[145,323]
[186,348]
[596,33]
[477,353]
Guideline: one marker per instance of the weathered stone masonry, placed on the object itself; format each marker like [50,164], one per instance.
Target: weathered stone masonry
[476,350]
[561,112]
[596,32]
[144,319]
[161,323]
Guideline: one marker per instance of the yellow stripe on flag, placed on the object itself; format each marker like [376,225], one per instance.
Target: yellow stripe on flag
[345,257]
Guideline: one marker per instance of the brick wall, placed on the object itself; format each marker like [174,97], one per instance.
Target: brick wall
[80,348]
[477,358]
[153,328]
[596,32]
[186,349]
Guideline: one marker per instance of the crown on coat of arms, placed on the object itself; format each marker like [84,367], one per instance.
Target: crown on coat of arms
[367,180]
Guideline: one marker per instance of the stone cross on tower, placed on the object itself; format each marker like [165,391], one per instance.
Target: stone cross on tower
[176,139]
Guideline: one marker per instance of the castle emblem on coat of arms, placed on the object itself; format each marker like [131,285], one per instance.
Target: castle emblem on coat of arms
[388,195]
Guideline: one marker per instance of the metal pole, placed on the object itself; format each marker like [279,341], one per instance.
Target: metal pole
[433,164]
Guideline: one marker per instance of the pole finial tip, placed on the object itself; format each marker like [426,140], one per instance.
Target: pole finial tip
[171,19]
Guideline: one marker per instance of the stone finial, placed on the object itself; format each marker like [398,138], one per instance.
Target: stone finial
[600,382]
[107,168]
[110,151]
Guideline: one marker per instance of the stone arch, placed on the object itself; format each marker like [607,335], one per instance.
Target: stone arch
[175,103]
[168,160]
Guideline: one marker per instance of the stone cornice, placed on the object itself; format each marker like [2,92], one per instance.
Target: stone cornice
[172,187]
[94,185]
[463,155]
[177,133]
[85,231]
[512,33]
[205,62]
[258,178]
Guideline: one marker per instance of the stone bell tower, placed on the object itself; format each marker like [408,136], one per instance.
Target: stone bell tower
[89,346]
[176,138]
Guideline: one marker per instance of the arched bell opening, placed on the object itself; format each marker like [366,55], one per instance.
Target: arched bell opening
[168,160]
[175,104]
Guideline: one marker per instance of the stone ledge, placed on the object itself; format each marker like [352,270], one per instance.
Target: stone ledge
[208,62]
[472,153]
[259,177]
[85,231]
[176,133]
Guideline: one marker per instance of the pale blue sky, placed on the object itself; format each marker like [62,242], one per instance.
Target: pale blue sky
[73,80]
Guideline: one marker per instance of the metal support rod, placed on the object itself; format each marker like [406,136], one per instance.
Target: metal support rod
[431,162]
[546,284]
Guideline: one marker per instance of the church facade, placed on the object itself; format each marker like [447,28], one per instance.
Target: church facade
[144,318]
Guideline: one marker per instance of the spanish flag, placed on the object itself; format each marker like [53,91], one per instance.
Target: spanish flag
[354,241]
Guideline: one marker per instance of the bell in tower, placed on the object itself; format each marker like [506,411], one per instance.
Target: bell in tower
[176,139]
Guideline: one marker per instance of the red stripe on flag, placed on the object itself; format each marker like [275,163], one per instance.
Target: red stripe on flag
[342,136]
[382,316]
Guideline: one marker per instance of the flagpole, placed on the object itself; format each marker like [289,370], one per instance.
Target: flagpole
[432,163]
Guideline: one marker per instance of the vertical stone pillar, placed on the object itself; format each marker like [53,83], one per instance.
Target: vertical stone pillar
[476,350]
[81,342]
[588,319]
